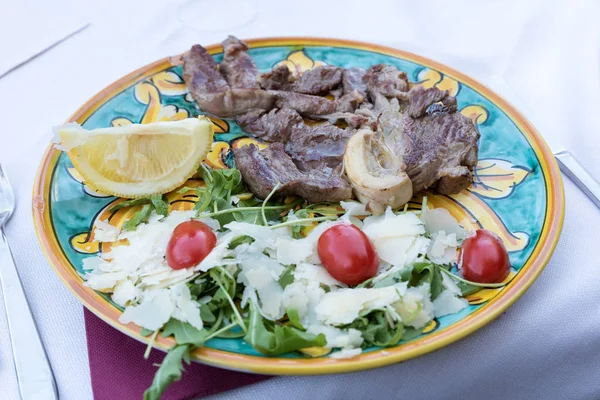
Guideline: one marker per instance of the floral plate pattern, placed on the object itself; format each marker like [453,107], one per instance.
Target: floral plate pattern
[517,192]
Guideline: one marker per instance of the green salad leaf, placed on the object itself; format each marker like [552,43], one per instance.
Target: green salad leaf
[139,217]
[378,329]
[129,203]
[417,274]
[294,318]
[278,339]
[287,277]
[466,289]
[160,205]
[169,371]
[184,333]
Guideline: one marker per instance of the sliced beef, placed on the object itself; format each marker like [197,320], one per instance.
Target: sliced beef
[438,144]
[318,147]
[201,74]
[279,78]
[211,91]
[386,80]
[319,80]
[237,66]
[353,80]
[263,169]
[273,126]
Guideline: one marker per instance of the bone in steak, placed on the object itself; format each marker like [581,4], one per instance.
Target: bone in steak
[263,169]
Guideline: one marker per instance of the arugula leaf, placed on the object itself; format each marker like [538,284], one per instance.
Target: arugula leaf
[294,318]
[139,217]
[206,314]
[297,229]
[129,203]
[417,274]
[287,277]
[184,333]
[282,339]
[427,272]
[466,289]
[203,200]
[240,240]
[145,332]
[160,205]
[376,330]
[169,371]
[411,333]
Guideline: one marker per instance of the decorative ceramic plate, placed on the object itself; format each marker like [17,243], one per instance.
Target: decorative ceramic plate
[517,192]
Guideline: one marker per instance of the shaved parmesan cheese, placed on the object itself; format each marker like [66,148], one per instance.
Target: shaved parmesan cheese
[105,232]
[316,273]
[343,306]
[439,219]
[414,306]
[124,292]
[447,303]
[392,225]
[346,353]
[294,251]
[153,312]
[443,248]
[342,338]
[303,297]
[186,309]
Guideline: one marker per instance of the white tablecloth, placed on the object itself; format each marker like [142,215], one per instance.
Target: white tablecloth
[543,57]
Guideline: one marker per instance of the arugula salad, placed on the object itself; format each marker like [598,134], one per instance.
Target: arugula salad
[285,275]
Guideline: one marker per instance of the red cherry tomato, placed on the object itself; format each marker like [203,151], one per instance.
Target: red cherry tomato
[190,243]
[484,258]
[347,254]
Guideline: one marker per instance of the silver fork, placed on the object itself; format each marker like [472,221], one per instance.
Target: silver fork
[31,364]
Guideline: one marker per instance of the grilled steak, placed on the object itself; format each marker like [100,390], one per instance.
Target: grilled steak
[274,126]
[319,80]
[353,80]
[237,66]
[263,169]
[438,145]
[279,78]
[211,91]
[386,80]
[318,147]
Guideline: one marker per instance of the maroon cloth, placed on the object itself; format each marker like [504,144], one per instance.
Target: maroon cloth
[119,371]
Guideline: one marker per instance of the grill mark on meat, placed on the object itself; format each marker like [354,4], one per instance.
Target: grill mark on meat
[318,147]
[272,126]
[319,80]
[263,169]
[439,147]
[237,66]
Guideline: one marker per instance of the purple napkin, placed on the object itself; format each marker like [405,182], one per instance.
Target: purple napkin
[119,371]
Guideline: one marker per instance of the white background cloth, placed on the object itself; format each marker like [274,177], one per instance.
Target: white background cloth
[542,55]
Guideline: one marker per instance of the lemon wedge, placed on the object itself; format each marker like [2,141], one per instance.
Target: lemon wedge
[137,160]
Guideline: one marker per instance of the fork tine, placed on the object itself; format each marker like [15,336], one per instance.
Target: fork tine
[7,198]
